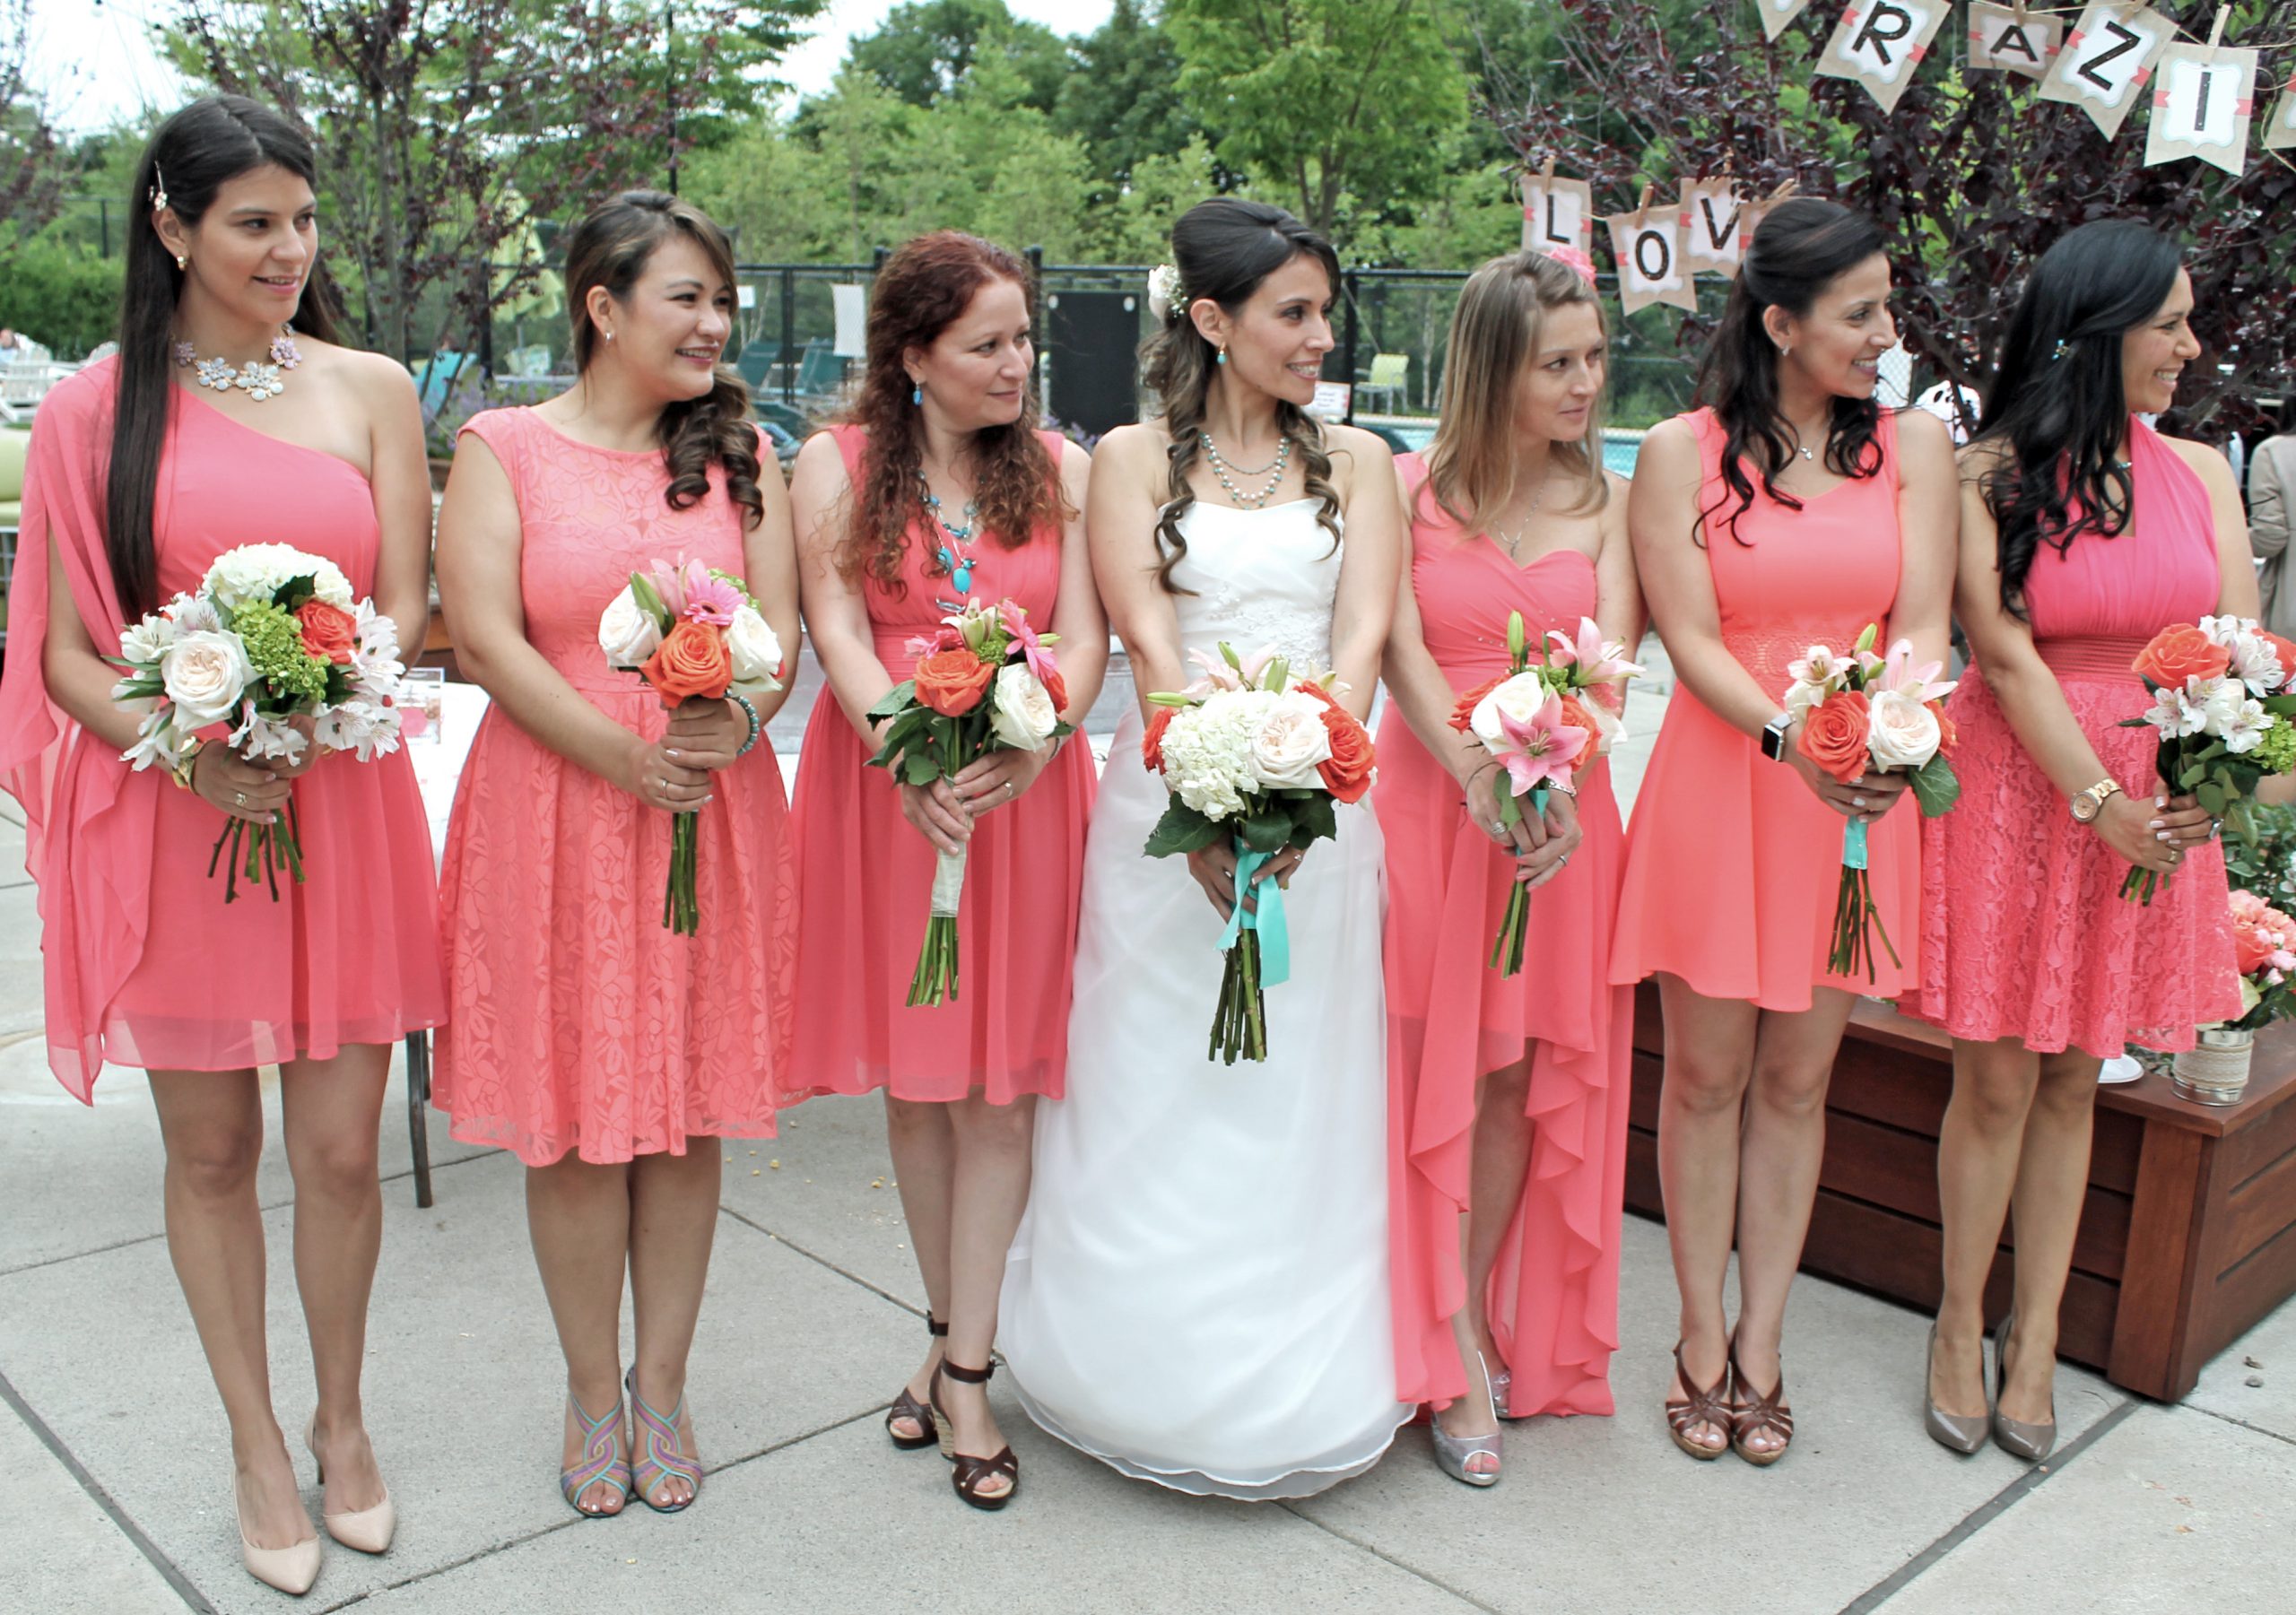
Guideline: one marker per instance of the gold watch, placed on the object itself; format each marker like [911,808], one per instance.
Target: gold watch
[2092,801]
[182,768]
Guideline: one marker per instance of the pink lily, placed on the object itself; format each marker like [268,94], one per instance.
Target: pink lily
[1016,626]
[1600,661]
[1921,682]
[1540,748]
[670,584]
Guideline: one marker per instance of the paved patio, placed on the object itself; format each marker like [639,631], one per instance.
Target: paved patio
[119,1462]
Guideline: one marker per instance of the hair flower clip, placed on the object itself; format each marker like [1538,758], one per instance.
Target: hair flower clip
[1164,295]
[2060,350]
[1576,259]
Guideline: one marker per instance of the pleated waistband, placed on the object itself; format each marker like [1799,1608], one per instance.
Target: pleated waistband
[2099,656]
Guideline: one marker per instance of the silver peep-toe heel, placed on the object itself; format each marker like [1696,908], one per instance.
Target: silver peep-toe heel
[1452,1451]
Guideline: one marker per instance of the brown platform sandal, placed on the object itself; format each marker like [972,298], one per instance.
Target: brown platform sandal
[969,1472]
[1760,1413]
[906,1406]
[1710,1406]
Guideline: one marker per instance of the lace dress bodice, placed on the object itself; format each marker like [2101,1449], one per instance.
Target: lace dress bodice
[1258,578]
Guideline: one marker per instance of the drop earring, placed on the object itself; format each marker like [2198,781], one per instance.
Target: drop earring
[1223,356]
[916,393]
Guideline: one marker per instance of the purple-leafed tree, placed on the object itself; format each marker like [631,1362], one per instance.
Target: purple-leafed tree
[33,169]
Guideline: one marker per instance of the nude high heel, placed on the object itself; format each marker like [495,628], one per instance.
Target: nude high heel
[291,1570]
[1963,1432]
[368,1530]
[2019,1440]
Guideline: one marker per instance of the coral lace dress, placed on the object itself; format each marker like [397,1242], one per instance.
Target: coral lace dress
[1732,861]
[866,876]
[2024,934]
[1451,1017]
[146,964]
[579,1022]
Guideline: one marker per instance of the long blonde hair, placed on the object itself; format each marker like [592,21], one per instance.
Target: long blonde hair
[1495,332]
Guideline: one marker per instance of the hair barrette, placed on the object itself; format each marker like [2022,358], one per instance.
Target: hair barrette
[2060,350]
[158,187]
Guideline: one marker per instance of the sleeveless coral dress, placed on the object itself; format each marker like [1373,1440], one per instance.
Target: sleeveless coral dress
[867,875]
[1451,1017]
[2024,934]
[1732,861]
[580,1023]
[145,965]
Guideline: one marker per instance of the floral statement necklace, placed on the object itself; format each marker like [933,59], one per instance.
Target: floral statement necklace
[257,381]
[954,553]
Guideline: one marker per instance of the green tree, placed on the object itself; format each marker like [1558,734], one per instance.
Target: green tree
[1123,99]
[33,164]
[927,50]
[1136,226]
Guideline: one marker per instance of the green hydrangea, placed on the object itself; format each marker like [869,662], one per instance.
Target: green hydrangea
[274,642]
[2275,754]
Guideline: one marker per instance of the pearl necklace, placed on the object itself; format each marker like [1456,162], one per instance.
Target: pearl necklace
[257,381]
[1220,468]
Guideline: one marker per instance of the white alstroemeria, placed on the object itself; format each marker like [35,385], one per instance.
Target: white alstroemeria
[143,641]
[193,615]
[756,652]
[2175,715]
[1291,740]
[203,674]
[627,633]
[258,737]
[2235,717]
[1520,698]
[368,727]
[2256,664]
[157,741]
[1902,732]
[2225,630]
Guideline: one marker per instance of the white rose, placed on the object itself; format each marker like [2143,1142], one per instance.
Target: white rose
[1020,711]
[1288,743]
[204,673]
[144,642]
[1519,698]
[1900,732]
[627,633]
[755,649]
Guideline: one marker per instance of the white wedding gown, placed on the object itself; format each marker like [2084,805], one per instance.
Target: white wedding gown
[1198,1295]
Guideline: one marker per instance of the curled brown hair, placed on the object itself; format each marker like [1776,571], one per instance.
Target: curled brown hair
[924,287]
[611,247]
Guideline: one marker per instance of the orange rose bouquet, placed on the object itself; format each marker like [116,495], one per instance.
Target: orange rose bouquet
[985,682]
[1253,754]
[689,630]
[2223,702]
[1864,713]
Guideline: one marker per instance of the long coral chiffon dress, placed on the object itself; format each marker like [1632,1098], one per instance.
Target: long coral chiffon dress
[579,1022]
[1732,861]
[146,964]
[866,874]
[2024,933]
[1553,1295]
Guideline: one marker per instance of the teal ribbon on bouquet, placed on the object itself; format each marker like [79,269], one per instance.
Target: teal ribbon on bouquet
[1266,916]
[1853,845]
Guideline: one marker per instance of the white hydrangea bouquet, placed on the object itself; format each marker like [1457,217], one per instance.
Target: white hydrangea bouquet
[1250,753]
[271,637]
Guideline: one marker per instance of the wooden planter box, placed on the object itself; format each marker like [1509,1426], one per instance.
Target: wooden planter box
[2189,1236]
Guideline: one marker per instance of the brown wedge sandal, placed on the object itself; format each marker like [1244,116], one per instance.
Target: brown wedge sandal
[906,1406]
[1762,1413]
[969,1474]
[1710,1406]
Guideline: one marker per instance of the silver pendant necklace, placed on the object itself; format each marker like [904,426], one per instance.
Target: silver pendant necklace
[1513,543]
[257,381]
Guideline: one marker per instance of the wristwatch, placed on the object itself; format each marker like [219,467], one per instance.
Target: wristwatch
[2092,801]
[181,770]
[1773,736]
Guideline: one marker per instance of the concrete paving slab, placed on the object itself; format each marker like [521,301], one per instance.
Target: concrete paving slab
[20,967]
[2173,1510]
[844,1523]
[2267,1352]
[1607,1515]
[464,1386]
[62,1551]
[834,1193]
[57,1148]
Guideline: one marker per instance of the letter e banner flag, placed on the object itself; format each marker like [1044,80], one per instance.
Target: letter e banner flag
[2108,59]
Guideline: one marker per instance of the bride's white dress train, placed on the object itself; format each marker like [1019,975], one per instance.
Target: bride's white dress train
[1198,1292]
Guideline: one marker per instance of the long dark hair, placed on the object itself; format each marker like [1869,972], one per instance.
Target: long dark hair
[191,156]
[1223,249]
[611,247]
[1801,246]
[924,287]
[2056,409]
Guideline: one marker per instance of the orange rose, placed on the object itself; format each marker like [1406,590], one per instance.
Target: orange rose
[1948,736]
[329,632]
[1463,714]
[693,660]
[1578,715]
[1833,736]
[2179,652]
[1151,742]
[1056,688]
[952,681]
[1347,771]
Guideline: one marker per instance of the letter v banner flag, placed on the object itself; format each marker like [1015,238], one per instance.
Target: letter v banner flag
[2106,60]
[1880,43]
[2010,38]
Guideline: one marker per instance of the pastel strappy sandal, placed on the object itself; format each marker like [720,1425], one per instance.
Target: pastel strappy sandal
[906,1406]
[601,1463]
[659,1457]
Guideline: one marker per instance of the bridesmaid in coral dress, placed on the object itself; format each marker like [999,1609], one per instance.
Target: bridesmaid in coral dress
[938,491]
[1790,511]
[326,978]
[1508,1094]
[2083,533]
[608,1053]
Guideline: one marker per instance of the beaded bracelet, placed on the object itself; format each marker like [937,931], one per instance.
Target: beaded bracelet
[750,712]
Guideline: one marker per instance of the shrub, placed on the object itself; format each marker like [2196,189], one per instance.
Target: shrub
[63,298]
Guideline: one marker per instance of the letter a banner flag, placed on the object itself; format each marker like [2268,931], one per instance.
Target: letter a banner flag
[2203,98]
[2009,38]
[2106,60]
[1880,43]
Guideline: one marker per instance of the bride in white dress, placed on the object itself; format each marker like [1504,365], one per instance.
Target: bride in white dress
[1198,1292]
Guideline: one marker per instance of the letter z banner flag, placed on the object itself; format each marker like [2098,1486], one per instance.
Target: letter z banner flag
[2106,60]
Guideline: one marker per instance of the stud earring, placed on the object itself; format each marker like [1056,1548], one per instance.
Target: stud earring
[183,260]
[609,336]
[916,393]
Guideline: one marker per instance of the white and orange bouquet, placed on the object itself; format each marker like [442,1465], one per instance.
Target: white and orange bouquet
[1864,713]
[986,681]
[1545,721]
[269,655]
[1251,753]
[689,630]
[2223,699]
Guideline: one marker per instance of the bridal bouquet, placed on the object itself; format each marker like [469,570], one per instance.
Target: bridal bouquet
[984,683]
[2223,693]
[688,629]
[1864,713]
[1545,723]
[1250,753]
[270,636]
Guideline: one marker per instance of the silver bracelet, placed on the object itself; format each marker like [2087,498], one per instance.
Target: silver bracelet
[750,712]
[1570,790]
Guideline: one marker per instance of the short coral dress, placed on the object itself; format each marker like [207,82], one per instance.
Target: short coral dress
[867,875]
[579,1022]
[1732,861]
[146,964]
[2024,933]
[1451,1016]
